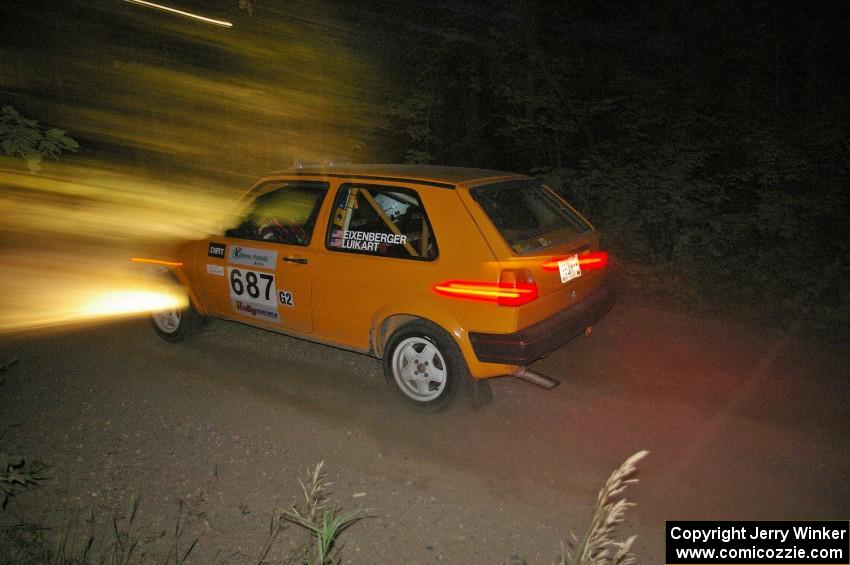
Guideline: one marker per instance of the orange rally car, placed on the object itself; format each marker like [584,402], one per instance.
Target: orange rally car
[450,275]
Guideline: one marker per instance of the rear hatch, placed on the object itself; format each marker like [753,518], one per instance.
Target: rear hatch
[533,230]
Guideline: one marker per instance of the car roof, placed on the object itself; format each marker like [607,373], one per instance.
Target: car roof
[421,174]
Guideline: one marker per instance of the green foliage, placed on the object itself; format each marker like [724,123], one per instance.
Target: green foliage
[27,544]
[325,531]
[25,138]
[15,475]
[247,6]
[124,542]
[178,556]
[323,523]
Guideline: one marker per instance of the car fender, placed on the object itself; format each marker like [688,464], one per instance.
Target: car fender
[392,316]
[159,267]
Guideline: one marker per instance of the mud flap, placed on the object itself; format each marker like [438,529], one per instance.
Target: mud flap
[479,393]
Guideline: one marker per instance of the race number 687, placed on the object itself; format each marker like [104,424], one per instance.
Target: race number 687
[252,283]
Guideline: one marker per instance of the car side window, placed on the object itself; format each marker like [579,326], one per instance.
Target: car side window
[284,212]
[381,220]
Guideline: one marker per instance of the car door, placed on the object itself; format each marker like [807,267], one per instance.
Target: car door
[377,250]
[260,272]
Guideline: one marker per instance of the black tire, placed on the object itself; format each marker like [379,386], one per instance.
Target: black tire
[176,325]
[425,365]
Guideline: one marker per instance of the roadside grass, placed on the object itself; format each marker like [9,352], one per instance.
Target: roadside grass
[323,522]
[16,476]
[599,545]
[320,519]
[16,473]
[31,544]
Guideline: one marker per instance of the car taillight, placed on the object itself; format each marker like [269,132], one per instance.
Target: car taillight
[515,288]
[595,260]
[587,261]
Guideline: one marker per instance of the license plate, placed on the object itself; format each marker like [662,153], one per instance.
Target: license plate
[569,268]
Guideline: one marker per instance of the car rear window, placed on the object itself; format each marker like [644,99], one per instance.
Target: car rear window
[528,214]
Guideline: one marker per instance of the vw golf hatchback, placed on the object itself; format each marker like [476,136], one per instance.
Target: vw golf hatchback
[449,275]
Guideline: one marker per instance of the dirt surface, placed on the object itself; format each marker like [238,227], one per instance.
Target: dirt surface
[740,424]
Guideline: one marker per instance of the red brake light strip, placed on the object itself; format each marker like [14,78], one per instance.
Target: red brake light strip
[587,262]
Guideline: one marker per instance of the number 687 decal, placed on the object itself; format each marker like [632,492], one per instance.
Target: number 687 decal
[252,285]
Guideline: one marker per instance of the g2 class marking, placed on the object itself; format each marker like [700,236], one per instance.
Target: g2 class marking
[286,298]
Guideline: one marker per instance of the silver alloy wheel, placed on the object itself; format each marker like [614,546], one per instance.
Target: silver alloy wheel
[168,321]
[419,369]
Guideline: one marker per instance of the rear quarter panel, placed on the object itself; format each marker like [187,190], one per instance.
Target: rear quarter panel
[355,293]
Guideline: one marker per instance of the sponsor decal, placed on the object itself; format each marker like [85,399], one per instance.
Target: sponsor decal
[286,298]
[255,310]
[252,256]
[216,270]
[217,250]
[364,241]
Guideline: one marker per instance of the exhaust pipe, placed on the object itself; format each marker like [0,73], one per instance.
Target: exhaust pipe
[536,378]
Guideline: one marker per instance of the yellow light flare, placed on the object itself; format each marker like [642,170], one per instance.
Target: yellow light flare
[127,302]
[183,13]
[89,306]
[156,262]
[78,284]
[67,238]
[109,206]
[222,106]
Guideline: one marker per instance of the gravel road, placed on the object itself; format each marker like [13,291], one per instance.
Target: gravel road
[740,425]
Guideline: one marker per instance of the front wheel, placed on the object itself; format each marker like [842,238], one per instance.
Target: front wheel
[176,324]
[425,364]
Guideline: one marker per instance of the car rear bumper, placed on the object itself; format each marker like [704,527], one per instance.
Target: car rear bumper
[535,341]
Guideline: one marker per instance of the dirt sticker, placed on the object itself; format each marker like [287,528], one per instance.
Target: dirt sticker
[216,250]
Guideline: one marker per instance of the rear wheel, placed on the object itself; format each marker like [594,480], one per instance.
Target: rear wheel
[425,364]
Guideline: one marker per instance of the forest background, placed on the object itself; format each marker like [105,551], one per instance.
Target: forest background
[707,141]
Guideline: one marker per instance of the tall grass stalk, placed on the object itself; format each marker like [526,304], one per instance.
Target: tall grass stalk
[599,545]
[324,523]
[176,556]
[277,525]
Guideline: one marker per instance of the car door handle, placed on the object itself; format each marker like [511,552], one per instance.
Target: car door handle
[299,260]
